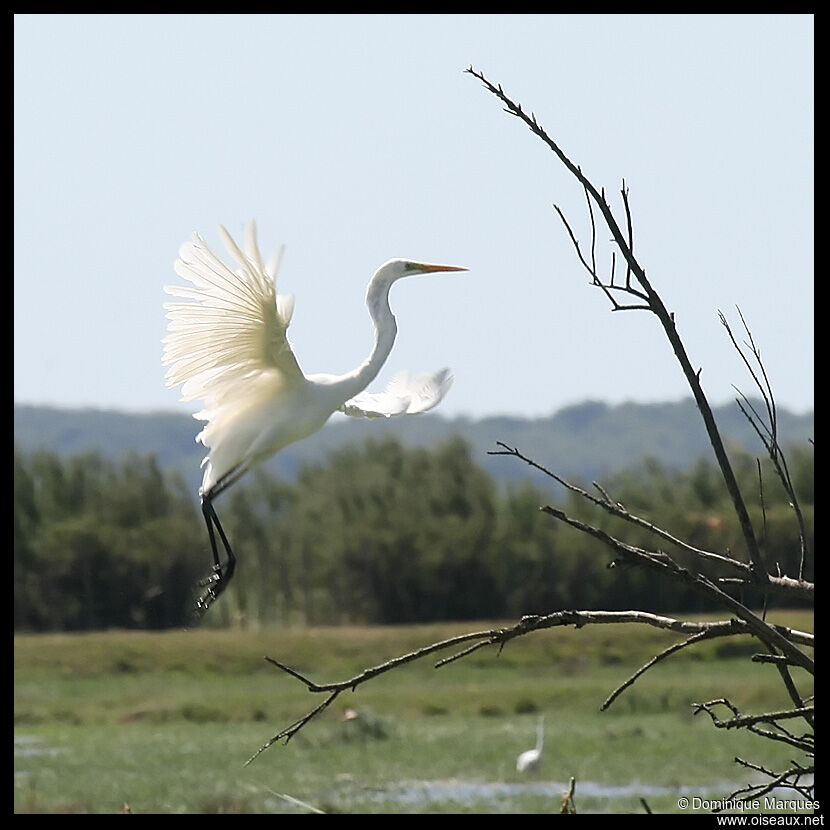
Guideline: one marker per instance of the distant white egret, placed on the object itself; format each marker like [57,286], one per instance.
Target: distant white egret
[228,347]
[531,759]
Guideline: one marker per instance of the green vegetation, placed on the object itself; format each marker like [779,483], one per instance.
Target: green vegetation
[165,721]
[99,543]
[376,534]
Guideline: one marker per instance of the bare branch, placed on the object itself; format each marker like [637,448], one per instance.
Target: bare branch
[666,319]
[335,689]
[629,223]
[575,241]
[789,779]
[289,732]
[499,637]
[593,233]
[700,583]
[767,432]
[761,383]
[774,659]
[616,509]
[783,651]
[779,584]
[695,638]
[463,653]
[741,721]
[789,685]
[804,743]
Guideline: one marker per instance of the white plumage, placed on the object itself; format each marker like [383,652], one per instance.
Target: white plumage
[404,395]
[228,347]
[531,759]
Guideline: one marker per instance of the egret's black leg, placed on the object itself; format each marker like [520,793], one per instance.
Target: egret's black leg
[221,574]
[230,565]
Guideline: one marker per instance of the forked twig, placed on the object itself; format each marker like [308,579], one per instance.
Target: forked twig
[788,779]
[767,431]
[615,508]
[335,689]
[499,637]
[667,652]
[739,721]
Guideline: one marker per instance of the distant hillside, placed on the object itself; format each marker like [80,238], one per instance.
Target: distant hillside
[584,441]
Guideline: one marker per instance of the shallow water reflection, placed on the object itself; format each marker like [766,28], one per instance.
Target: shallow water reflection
[470,792]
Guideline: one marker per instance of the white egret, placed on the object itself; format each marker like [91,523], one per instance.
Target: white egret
[531,759]
[228,347]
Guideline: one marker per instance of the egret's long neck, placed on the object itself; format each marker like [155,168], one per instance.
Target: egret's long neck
[386,329]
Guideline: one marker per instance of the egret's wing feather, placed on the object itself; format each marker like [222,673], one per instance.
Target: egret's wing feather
[235,325]
[404,395]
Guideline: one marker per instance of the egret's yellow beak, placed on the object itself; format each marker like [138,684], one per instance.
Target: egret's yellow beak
[426,268]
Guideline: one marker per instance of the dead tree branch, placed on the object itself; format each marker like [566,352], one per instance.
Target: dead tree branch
[335,689]
[740,721]
[778,584]
[654,304]
[767,431]
[788,779]
[617,509]
[499,637]
[782,652]
[671,570]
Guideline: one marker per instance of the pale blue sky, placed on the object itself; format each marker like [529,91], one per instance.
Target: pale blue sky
[353,139]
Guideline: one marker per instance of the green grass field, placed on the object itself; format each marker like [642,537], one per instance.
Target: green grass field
[164,722]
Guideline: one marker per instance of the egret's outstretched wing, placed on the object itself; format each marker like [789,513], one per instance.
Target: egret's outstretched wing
[404,395]
[235,326]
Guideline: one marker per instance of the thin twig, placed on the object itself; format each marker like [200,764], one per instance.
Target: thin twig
[786,678]
[805,744]
[675,647]
[767,432]
[593,233]
[629,223]
[789,779]
[616,509]
[741,721]
[335,689]
[699,582]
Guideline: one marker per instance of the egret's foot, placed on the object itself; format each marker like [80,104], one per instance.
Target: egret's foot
[215,583]
[202,604]
[212,578]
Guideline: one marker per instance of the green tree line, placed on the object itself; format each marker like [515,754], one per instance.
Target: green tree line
[376,533]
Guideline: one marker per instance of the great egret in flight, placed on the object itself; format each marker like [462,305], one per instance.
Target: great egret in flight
[531,759]
[228,347]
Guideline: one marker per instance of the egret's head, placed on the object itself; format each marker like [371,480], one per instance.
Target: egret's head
[391,271]
[394,269]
